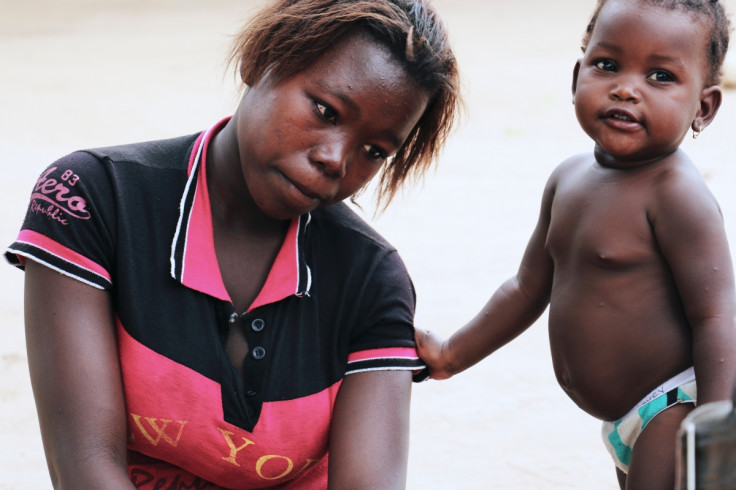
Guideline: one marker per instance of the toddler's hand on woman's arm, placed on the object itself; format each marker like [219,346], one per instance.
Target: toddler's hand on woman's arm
[434,351]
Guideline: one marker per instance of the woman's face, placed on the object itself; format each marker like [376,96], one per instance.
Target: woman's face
[315,138]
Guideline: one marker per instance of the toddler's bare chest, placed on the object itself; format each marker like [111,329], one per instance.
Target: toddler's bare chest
[601,227]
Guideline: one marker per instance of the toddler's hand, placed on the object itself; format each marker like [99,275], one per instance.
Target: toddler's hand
[430,347]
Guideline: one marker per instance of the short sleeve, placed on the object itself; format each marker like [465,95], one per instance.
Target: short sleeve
[69,224]
[385,339]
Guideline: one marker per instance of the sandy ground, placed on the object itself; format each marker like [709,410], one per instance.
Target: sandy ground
[86,73]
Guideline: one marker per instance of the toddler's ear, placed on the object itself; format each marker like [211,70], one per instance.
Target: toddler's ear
[710,102]
[575,72]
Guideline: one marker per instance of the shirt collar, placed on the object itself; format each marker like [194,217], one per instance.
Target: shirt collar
[193,259]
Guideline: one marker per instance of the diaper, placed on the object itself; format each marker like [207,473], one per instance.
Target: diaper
[619,436]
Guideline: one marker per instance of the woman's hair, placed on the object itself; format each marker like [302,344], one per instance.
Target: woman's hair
[710,12]
[288,35]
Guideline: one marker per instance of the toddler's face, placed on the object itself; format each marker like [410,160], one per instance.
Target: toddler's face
[319,136]
[640,81]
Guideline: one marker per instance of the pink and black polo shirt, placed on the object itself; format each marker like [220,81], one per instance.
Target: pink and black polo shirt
[135,220]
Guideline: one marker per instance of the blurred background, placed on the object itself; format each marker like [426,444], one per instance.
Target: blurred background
[88,73]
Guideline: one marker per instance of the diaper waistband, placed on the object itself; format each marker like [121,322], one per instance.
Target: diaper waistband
[672,383]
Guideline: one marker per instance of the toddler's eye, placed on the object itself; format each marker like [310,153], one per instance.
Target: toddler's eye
[661,76]
[374,152]
[605,65]
[326,111]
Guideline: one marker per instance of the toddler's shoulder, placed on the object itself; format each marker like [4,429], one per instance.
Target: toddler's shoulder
[569,167]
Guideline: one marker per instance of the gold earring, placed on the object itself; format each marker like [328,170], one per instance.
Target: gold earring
[695,134]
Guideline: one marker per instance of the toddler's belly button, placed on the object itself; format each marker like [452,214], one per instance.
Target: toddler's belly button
[565,379]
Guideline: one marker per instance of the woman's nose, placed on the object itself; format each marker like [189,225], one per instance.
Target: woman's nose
[331,156]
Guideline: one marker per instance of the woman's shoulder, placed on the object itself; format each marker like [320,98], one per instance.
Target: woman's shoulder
[164,153]
[99,174]
[340,221]
[96,166]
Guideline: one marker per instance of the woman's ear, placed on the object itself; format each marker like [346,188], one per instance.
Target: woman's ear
[575,72]
[710,102]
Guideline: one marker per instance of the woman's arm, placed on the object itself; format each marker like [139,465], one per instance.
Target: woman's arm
[369,438]
[75,374]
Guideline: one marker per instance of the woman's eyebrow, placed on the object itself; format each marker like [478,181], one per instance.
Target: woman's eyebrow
[341,94]
[344,96]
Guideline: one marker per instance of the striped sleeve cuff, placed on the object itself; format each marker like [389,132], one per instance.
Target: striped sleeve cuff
[385,359]
[44,250]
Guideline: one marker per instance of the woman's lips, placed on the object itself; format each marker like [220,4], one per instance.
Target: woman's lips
[304,194]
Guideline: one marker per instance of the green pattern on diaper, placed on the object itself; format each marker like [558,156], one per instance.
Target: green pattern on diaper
[646,413]
[623,452]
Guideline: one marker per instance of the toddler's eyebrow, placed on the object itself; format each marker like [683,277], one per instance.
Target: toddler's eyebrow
[608,46]
[668,59]
[655,58]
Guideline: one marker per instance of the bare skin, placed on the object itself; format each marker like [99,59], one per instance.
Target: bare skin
[84,430]
[629,252]
[627,291]
[293,145]
[308,162]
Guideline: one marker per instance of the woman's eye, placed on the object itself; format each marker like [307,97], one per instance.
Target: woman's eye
[326,111]
[605,65]
[661,76]
[374,152]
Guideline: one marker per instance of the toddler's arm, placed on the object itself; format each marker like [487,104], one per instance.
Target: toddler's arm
[690,232]
[512,309]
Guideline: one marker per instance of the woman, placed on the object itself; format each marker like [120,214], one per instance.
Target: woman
[203,312]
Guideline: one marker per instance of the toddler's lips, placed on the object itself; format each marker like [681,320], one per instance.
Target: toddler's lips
[621,119]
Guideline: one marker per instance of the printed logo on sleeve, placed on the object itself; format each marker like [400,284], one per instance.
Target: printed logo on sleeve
[54,197]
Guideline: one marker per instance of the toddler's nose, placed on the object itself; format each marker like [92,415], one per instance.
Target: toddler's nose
[625,88]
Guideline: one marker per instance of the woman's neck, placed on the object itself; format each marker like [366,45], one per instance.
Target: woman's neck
[233,208]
